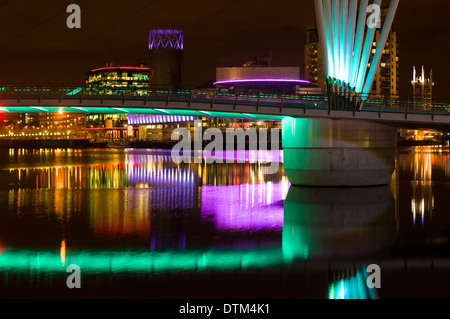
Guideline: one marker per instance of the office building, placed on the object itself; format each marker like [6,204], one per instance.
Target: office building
[118,80]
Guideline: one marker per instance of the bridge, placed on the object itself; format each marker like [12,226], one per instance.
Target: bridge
[326,140]
[343,139]
[211,103]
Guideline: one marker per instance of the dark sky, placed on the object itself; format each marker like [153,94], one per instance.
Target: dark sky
[36,46]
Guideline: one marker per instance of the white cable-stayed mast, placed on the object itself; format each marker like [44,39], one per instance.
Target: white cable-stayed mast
[349,38]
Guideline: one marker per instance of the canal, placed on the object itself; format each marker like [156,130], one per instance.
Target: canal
[141,226]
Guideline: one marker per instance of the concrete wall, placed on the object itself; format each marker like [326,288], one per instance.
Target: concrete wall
[338,153]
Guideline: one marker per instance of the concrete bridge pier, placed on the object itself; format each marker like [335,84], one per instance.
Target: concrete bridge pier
[338,153]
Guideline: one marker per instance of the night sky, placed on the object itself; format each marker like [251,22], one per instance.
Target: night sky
[37,47]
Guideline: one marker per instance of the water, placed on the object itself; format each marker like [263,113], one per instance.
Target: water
[141,226]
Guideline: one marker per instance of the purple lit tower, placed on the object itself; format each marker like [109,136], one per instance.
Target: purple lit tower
[166,59]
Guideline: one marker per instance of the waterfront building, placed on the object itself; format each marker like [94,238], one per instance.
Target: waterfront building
[313,59]
[118,80]
[63,125]
[253,80]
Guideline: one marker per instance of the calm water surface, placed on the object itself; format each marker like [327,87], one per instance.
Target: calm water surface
[141,226]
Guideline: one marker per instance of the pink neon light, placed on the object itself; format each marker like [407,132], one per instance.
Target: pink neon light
[105,128]
[121,68]
[263,80]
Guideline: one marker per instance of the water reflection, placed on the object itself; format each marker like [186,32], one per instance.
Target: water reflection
[246,207]
[137,213]
[318,224]
[427,170]
[422,203]
[351,284]
[324,223]
[130,194]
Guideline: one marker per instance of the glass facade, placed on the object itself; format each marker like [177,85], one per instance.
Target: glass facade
[118,80]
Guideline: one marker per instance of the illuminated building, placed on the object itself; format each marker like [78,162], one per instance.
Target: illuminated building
[58,125]
[106,126]
[257,76]
[313,59]
[387,79]
[253,80]
[114,80]
[117,80]
[422,87]
[166,58]
[63,125]
[159,127]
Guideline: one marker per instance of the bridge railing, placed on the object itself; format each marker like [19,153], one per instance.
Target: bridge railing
[262,100]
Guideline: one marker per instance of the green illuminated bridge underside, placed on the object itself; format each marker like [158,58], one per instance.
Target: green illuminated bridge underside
[194,103]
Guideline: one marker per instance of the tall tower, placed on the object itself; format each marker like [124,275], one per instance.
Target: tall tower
[422,87]
[314,72]
[387,78]
[166,59]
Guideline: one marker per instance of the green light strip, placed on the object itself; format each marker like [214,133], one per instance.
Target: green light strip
[138,261]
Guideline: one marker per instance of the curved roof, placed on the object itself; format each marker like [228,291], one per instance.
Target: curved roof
[120,68]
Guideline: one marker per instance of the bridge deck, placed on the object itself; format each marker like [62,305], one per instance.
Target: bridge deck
[198,103]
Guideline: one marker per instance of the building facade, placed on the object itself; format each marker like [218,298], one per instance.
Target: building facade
[387,79]
[313,59]
[252,80]
[118,80]
[422,87]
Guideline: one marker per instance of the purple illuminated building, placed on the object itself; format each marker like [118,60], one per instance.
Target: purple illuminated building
[166,59]
[166,39]
[146,119]
[262,81]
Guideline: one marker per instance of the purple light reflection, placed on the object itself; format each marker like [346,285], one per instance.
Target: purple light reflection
[249,207]
[260,156]
[170,187]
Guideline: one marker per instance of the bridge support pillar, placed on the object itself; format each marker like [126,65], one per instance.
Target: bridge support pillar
[338,153]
